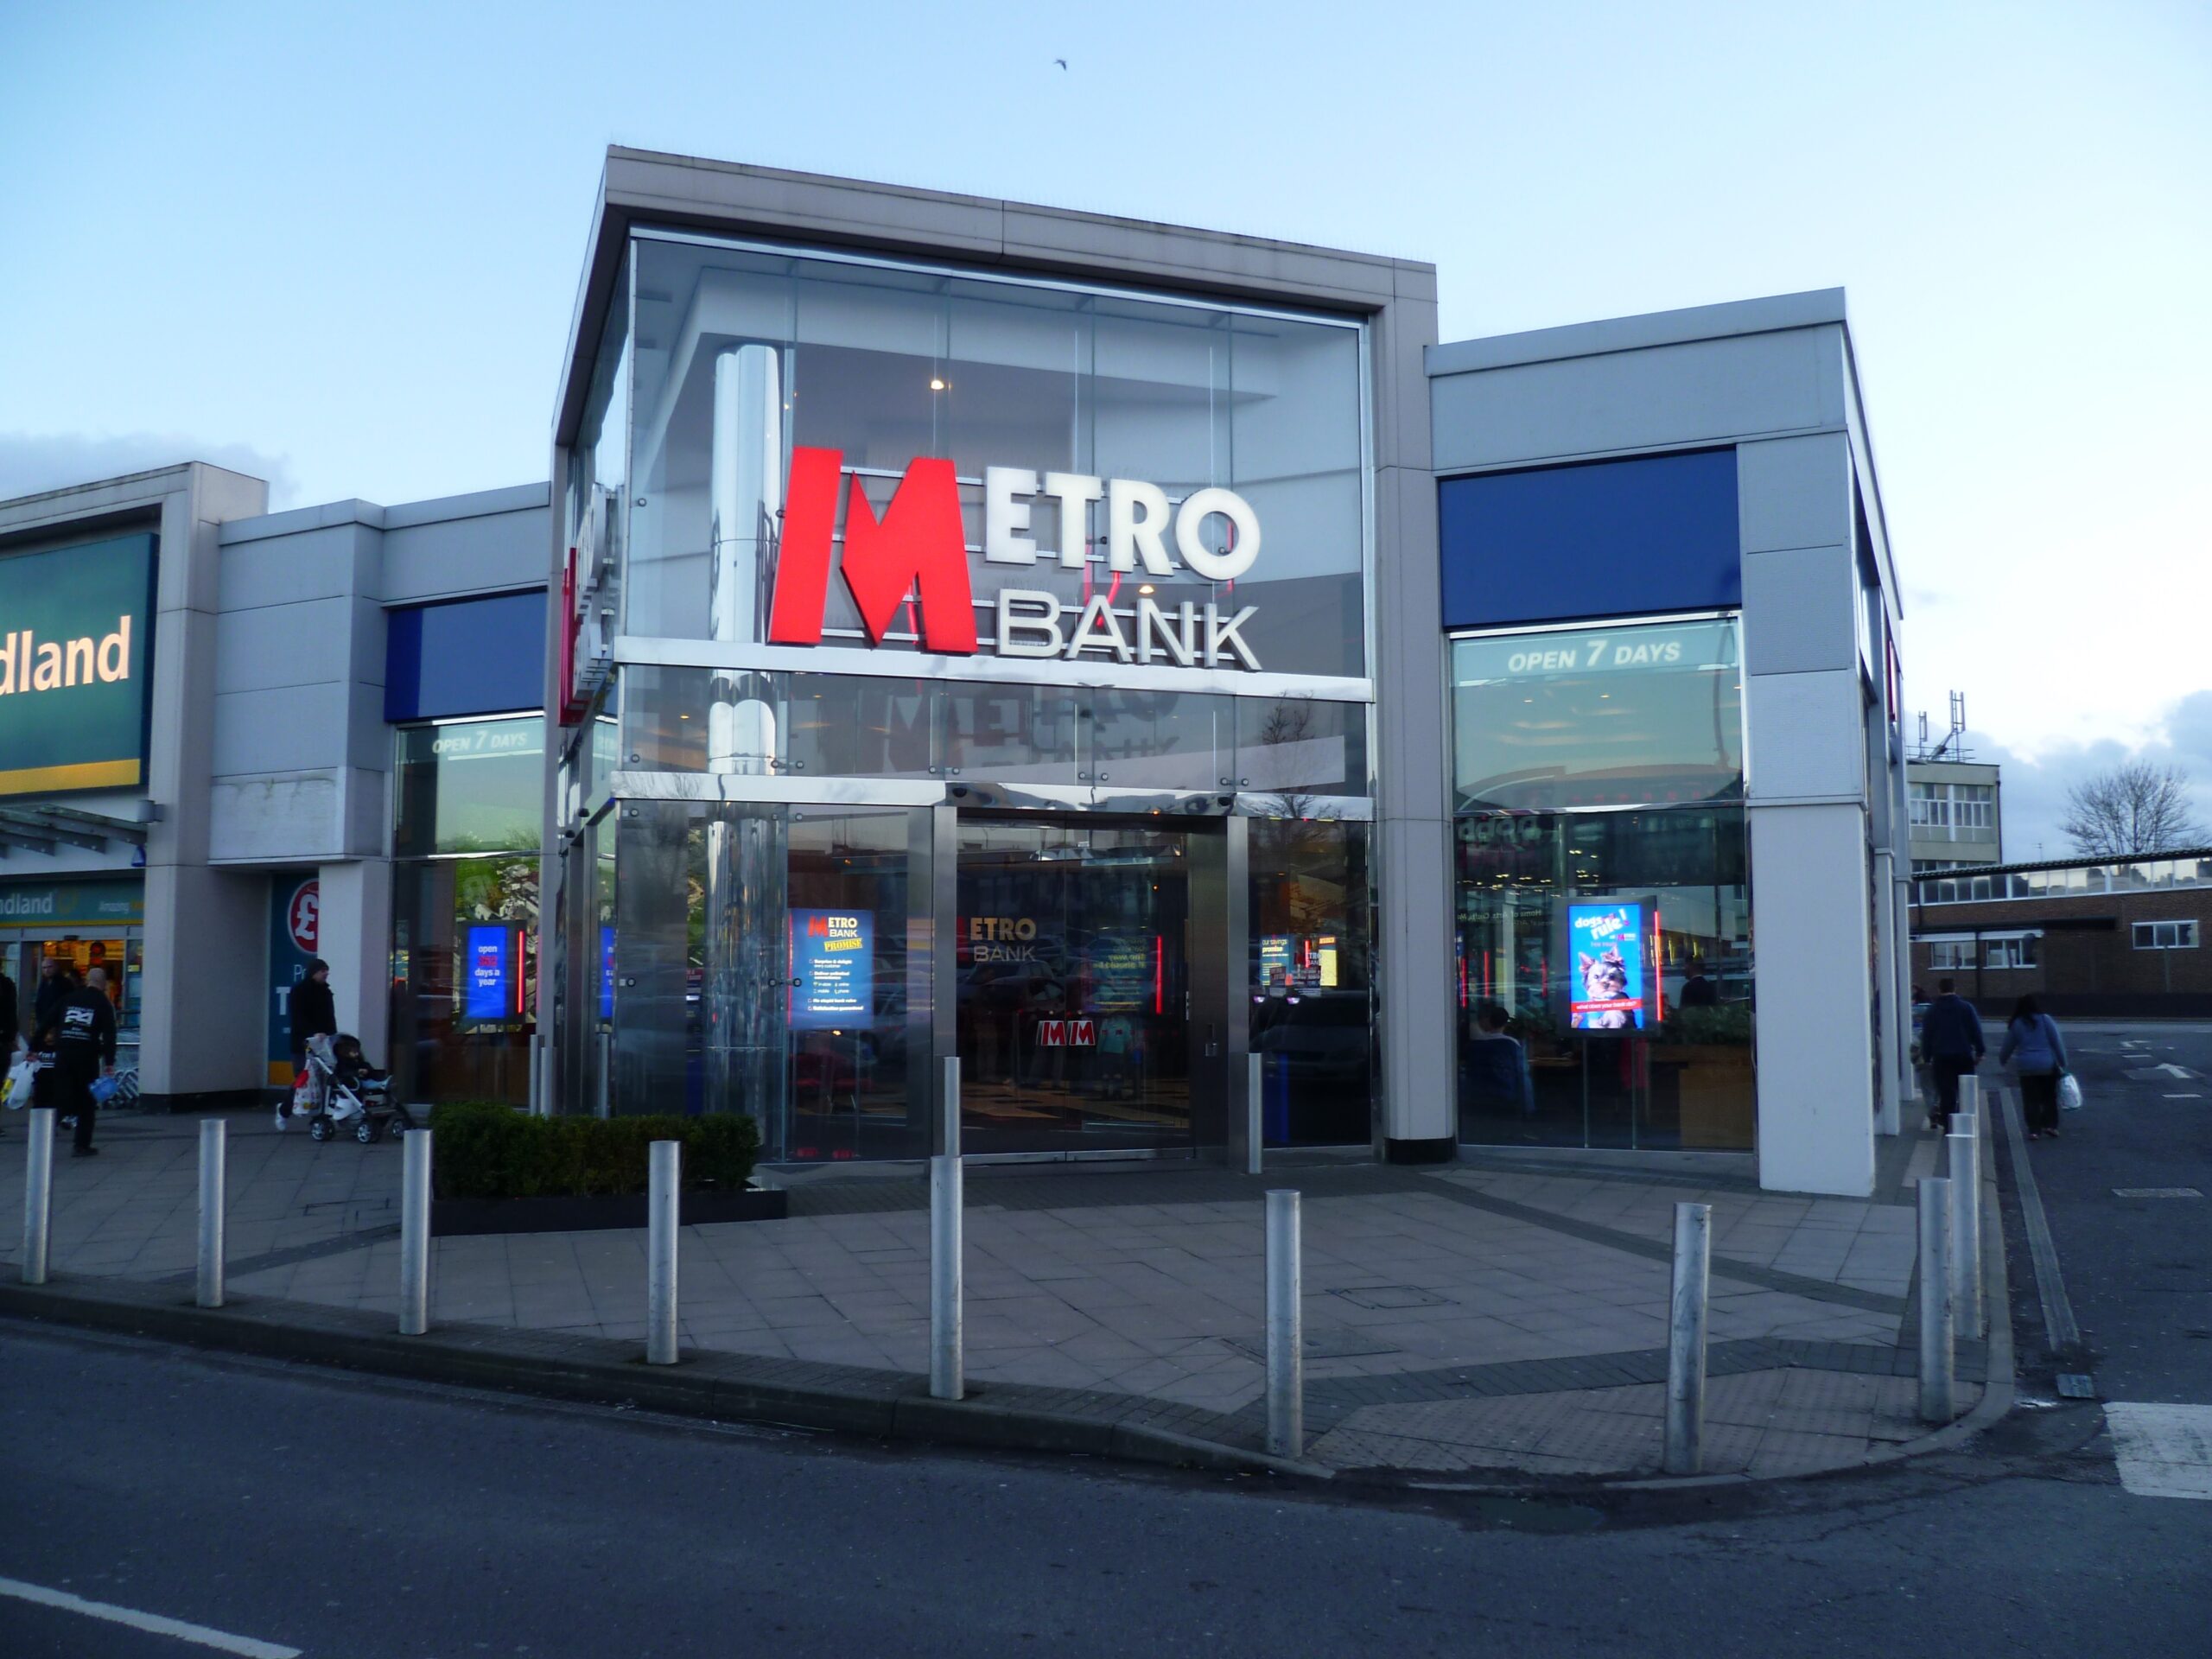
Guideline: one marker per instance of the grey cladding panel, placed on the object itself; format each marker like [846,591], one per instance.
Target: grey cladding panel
[1798,610]
[286,570]
[461,556]
[1707,391]
[1795,491]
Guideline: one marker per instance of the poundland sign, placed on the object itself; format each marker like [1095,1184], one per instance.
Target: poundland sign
[75,650]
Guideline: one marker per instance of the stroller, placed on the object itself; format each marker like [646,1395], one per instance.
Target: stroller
[341,1086]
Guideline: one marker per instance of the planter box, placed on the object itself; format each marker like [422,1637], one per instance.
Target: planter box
[458,1217]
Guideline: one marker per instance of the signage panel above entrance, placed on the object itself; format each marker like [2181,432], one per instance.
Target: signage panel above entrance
[919,550]
[76,626]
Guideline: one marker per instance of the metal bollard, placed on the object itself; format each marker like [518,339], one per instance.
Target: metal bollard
[211,1143]
[1964,1168]
[947,1378]
[414,1233]
[1685,1450]
[1286,1329]
[1255,1125]
[1938,1354]
[38,1194]
[665,1173]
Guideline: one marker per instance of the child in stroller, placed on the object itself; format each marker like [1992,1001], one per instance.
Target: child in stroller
[341,1086]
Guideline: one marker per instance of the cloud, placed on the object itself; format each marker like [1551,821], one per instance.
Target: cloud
[2035,787]
[32,462]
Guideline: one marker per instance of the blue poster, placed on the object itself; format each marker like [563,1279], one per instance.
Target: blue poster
[1605,942]
[486,968]
[606,972]
[833,960]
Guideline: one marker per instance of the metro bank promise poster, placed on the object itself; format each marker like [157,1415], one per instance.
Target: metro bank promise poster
[1605,947]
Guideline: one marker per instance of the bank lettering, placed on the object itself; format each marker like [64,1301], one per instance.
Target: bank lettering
[918,551]
[30,663]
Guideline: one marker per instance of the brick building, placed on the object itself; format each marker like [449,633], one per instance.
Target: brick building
[2088,937]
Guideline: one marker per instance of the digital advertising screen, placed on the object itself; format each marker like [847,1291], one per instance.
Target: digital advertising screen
[487,997]
[606,972]
[1605,946]
[833,959]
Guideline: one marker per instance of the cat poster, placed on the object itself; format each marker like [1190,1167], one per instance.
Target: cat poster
[1605,942]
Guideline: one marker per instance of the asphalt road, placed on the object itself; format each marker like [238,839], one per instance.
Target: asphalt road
[337,1515]
[2137,1270]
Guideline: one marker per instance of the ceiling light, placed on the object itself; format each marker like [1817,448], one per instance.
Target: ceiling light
[939,384]
[1145,588]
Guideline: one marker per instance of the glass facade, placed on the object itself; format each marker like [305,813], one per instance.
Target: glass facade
[469,795]
[1602,887]
[809,886]
[2069,881]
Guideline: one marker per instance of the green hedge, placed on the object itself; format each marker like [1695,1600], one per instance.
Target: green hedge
[490,1151]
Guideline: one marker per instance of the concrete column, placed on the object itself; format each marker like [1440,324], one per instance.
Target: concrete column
[201,1021]
[1413,830]
[356,940]
[1895,1008]
[1816,1031]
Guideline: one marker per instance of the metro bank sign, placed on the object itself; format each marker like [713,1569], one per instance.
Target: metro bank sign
[919,550]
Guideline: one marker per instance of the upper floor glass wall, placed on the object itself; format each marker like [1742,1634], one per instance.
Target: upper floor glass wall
[2077,881]
[885,364]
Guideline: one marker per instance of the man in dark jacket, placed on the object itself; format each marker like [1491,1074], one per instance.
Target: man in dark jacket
[1950,1037]
[83,1040]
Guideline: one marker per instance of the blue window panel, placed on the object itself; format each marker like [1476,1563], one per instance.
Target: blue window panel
[469,656]
[1599,538]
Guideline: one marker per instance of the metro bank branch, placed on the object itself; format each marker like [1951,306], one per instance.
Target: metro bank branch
[1105,652]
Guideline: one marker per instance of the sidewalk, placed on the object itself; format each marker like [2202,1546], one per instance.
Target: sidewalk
[1497,1316]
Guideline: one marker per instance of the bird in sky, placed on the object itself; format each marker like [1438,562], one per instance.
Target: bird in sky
[1063,62]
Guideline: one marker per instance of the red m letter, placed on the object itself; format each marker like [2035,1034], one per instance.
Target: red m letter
[920,543]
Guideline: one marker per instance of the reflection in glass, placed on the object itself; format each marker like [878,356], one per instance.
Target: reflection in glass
[1635,716]
[1311,981]
[1072,948]
[464,978]
[470,786]
[885,365]
[1677,1072]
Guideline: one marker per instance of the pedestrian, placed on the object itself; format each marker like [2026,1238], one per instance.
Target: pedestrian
[2037,1054]
[1698,990]
[1950,1036]
[1495,1067]
[10,1012]
[82,1037]
[315,1013]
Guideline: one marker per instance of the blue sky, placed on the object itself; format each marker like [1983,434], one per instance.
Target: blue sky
[339,245]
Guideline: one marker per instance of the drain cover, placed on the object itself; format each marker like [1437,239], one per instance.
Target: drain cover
[1381,1296]
[2077,1385]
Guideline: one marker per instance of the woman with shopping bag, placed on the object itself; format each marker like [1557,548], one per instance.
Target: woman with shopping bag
[2037,1054]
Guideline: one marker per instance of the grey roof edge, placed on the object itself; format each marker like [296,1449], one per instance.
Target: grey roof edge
[120,482]
[642,187]
[2093,862]
[1812,309]
[477,504]
[295,521]
[767,182]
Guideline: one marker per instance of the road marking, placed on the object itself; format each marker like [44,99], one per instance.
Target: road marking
[222,1641]
[2156,1192]
[2184,1096]
[2059,1329]
[2163,1451]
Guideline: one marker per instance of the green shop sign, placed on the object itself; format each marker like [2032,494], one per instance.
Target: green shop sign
[72,906]
[76,626]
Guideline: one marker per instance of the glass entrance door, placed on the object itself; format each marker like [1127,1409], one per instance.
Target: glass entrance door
[1073,1006]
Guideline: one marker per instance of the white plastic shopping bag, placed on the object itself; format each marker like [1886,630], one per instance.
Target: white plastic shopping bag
[17,1090]
[2070,1094]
